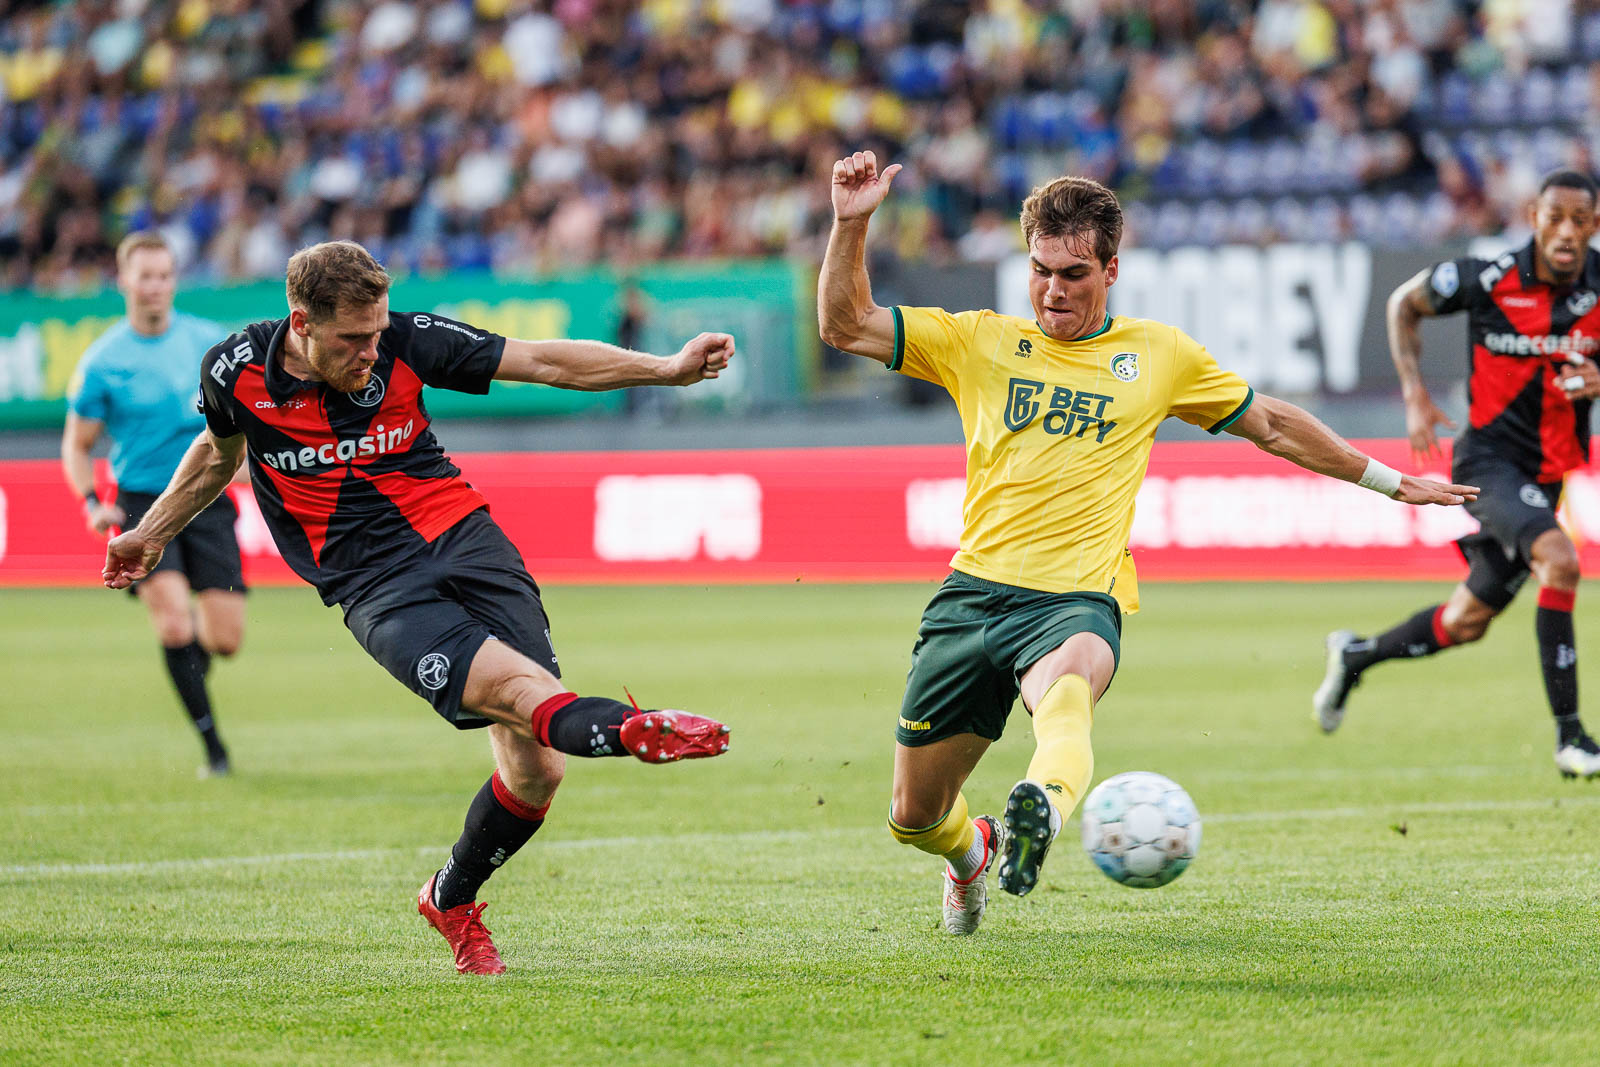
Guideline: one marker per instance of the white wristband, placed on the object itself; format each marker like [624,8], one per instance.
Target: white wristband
[1381,479]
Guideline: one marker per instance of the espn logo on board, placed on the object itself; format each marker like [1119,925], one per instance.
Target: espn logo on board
[677,517]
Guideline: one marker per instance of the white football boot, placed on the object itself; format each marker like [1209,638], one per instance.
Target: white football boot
[1032,823]
[1579,760]
[1327,703]
[964,901]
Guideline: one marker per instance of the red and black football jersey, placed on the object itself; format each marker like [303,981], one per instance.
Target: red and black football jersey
[350,484]
[1520,331]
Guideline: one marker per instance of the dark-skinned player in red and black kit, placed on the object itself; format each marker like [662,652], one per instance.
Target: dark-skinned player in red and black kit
[365,505]
[1534,332]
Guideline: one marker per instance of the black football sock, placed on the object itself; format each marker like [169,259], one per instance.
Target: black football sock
[1421,635]
[580,726]
[498,823]
[187,666]
[1558,659]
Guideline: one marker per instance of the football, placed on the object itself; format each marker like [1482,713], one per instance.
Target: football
[1140,828]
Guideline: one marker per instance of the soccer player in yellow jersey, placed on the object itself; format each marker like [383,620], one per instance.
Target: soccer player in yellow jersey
[1058,414]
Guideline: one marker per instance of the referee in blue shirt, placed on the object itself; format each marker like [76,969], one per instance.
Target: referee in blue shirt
[138,383]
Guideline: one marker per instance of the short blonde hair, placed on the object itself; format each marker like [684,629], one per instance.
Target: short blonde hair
[137,240]
[334,274]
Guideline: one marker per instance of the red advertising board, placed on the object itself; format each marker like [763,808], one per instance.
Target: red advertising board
[1221,510]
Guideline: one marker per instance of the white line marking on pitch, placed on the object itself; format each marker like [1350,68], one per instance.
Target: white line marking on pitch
[1411,810]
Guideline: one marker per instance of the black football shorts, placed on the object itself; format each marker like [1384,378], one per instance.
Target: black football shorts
[206,551]
[1513,510]
[426,621]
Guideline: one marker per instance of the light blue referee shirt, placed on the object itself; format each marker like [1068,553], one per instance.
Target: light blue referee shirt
[145,390]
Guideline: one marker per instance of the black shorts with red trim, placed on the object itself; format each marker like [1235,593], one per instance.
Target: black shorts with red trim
[426,622]
[206,551]
[1513,511]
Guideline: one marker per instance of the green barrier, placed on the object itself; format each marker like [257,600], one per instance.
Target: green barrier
[765,304]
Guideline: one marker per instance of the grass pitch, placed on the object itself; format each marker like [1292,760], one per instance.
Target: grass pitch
[1420,888]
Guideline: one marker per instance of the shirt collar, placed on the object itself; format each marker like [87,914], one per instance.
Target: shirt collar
[281,385]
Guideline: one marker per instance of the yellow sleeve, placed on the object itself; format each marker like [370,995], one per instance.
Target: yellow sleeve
[1203,394]
[932,344]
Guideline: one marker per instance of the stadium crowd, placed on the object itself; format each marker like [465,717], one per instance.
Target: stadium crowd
[520,135]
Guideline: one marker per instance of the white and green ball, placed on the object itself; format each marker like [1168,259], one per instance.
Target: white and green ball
[1141,829]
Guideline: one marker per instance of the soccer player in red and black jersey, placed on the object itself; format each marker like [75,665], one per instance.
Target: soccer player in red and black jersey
[1534,331]
[365,505]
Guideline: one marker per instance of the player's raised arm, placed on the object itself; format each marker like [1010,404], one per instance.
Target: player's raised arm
[592,366]
[1408,305]
[1294,434]
[207,467]
[847,318]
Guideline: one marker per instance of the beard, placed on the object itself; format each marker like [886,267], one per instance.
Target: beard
[346,378]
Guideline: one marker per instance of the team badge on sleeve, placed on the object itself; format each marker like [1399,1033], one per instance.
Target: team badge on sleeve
[1125,366]
[1446,279]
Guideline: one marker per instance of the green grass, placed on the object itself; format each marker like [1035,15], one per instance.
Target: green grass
[1420,888]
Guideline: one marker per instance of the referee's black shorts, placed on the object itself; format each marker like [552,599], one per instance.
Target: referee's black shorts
[1513,510]
[427,621]
[206,551]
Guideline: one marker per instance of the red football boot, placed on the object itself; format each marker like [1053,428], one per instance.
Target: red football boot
[668,736]
[462,927]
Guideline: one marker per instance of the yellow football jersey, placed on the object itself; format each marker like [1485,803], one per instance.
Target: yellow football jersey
[1058,436]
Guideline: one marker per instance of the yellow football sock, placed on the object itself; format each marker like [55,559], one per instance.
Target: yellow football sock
[1063,761]
[950,837]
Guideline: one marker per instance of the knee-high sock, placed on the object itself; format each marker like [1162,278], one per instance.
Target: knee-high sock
[1063,759]
[580,726]
[498,823]
[187,665]
[1558,659]
[950,837]
[1421,635]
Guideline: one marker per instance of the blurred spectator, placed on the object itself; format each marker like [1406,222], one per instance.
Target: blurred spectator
[527,135]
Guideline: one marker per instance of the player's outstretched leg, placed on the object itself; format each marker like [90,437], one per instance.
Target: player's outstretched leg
[966,892]
[1327,703]
[598,726]
[1422,634]
[1058,775]
[1032,823]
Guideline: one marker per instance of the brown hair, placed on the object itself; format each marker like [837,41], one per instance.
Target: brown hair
[325,277]
[137,240]
[1070,206]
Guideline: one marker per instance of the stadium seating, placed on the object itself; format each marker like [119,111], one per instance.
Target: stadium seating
[517,135]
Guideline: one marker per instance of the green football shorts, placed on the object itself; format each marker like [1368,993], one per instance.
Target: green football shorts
[977,639]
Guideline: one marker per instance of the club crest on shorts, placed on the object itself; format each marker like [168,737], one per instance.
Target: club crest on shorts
[1125,366]
[372,395]
[1533,496]
[1582,302]
[433,671]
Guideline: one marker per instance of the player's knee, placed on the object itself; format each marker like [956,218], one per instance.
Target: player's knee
[1560,570]
[174,629]
[222,644]
[909,820]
